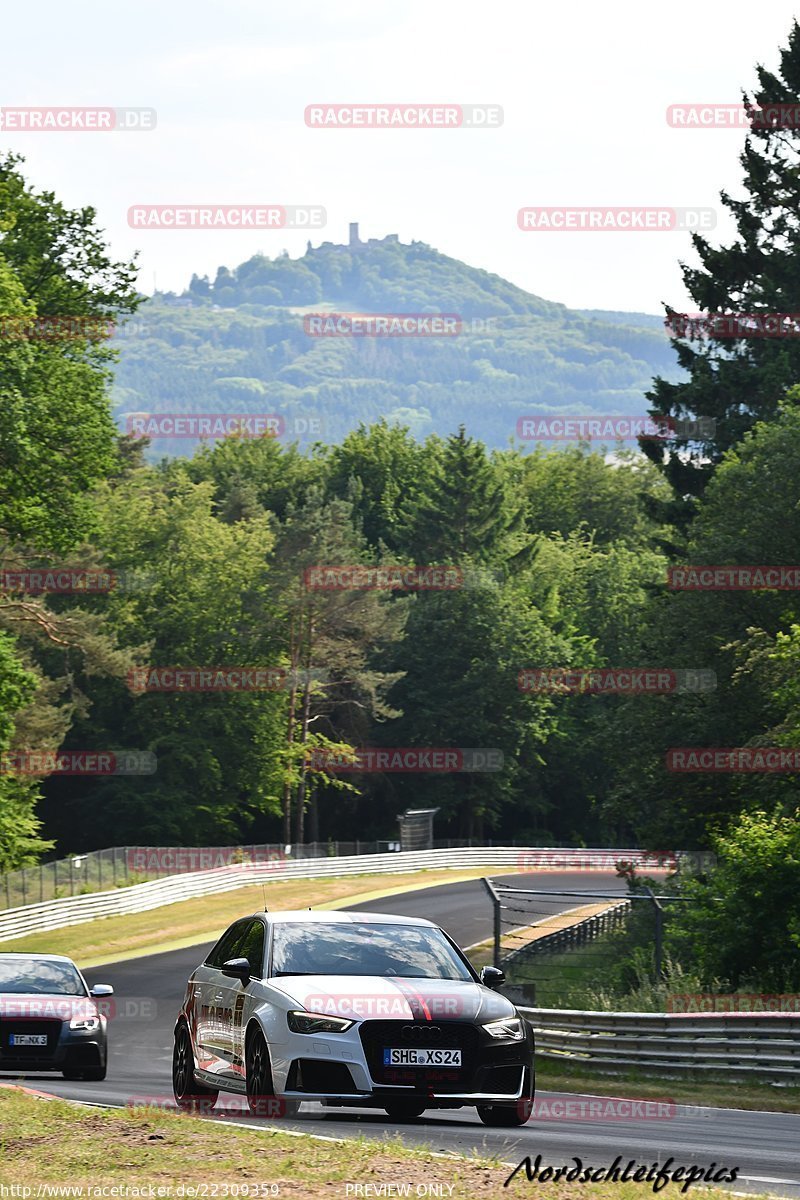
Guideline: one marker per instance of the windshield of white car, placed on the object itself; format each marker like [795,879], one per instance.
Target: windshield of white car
[39,977]
[405,951]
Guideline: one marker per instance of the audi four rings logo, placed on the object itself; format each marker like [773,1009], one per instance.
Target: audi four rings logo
[422,1033]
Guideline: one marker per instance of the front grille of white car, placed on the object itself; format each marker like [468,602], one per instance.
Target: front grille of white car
[376,1036]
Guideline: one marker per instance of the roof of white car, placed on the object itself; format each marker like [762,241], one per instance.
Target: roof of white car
[342,917]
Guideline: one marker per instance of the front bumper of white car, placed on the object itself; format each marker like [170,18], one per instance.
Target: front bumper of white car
[348,1067]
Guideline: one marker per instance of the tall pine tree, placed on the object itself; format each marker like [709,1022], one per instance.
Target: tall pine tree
[738,381]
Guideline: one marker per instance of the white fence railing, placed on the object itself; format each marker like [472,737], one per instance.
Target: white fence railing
[763,1047]
[54,914]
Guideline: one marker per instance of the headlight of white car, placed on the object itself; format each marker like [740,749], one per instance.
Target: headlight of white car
[87,1024]
[510,1029]
[309,1022]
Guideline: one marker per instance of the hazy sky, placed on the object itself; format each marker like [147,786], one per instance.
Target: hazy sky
[584,87]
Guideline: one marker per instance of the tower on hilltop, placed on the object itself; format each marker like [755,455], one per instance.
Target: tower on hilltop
[354,238]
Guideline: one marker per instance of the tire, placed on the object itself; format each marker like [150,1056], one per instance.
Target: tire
[508,1116]
[404,1110]
[261,1098]
[89,1074]
[94,1074]
[190,1096]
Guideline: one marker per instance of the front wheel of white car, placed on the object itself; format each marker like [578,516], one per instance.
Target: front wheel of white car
[261,1097]
[404,1110]
[507,1116]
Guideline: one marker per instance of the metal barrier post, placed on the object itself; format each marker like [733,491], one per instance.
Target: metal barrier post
[659,934]
[487,883]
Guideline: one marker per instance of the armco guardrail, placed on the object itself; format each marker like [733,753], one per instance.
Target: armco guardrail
[54,914]
[763,1047]
[117,866]
[571,936]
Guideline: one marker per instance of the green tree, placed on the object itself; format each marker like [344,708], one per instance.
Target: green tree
[201,599]
[460,658]
[376,468]
[251,476]
[737,382]
[56,443]
[56,431]
[464,511]
[20,843]
[742,927]
[333,638]
[571,489]
[59,255]
[747,516]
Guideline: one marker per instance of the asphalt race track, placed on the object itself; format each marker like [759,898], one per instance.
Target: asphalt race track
[764,1146]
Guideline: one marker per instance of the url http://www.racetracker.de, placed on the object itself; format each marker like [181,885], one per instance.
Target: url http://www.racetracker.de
[143,1191]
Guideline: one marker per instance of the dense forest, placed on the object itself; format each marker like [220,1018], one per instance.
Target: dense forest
[239,344]
[561,555]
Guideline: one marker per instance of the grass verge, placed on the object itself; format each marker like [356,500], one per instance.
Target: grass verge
[46,1141]
[193,922]
[702,1090]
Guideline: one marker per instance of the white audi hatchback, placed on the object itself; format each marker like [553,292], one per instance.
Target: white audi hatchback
[356,1009]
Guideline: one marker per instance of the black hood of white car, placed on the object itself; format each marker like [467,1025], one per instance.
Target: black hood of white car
[383,997]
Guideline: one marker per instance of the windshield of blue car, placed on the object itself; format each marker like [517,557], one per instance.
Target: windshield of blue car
[406,951]
[39,977]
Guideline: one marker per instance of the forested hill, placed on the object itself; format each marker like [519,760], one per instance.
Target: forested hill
[238,344]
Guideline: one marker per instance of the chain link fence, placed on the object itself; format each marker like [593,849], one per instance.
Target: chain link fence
[121,866]
[577,949]
[73,876]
